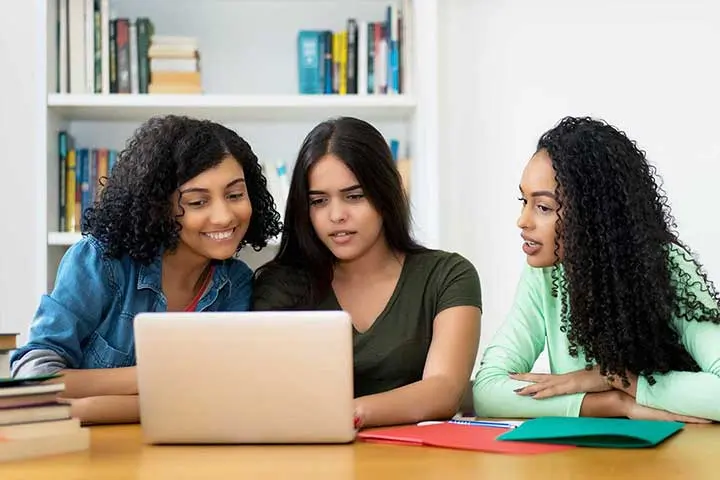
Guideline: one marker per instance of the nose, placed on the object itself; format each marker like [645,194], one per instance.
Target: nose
[524,221]
[221,214]
[338,212]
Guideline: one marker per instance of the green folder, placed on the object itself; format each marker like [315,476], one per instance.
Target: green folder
[594,432]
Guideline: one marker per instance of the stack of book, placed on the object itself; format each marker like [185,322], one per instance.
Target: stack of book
[174,65]
[33,423]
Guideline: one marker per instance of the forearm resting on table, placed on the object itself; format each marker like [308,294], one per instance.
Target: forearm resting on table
[612,403]
[106,409]
[431,398]
[98,382]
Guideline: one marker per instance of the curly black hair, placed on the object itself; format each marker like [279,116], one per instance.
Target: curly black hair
[134,214]
[619,284]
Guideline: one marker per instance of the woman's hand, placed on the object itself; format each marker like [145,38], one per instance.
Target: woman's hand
[641,412]
[549,385]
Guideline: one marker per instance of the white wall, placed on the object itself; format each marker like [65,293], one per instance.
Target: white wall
[19,107]
[515,68]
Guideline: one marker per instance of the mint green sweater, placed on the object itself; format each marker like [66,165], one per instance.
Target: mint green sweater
[535,318]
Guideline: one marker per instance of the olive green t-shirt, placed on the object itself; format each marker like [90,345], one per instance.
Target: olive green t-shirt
[392,352]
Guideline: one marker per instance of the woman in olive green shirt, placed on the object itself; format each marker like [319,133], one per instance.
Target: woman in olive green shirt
[347,245]
[630,320]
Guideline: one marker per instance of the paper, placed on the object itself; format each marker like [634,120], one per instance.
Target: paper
[456,436]
[593,432]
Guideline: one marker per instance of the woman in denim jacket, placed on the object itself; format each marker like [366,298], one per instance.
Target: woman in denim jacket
[184,197]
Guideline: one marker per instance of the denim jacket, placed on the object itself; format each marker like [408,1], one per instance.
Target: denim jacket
[87,320]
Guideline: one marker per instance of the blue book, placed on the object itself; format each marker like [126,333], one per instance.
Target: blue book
[310,61]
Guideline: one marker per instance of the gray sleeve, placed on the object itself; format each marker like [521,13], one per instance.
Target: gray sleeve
[37,362]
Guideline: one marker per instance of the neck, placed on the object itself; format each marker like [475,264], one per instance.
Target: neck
[183,267]
[376,262]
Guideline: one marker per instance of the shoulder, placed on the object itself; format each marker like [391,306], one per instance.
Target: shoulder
[87,258]
[440,262]
[449,277]
[280,287]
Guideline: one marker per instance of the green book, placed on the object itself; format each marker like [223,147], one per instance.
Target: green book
[594,432]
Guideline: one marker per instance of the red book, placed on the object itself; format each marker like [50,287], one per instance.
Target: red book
[456,436]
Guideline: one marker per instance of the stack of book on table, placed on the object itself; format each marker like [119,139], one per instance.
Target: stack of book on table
[34,423]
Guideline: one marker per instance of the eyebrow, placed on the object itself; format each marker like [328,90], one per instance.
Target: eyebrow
[541,193]
[198,189]
[342,190]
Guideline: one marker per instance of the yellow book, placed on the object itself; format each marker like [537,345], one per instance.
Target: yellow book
[71,220]
[343,62]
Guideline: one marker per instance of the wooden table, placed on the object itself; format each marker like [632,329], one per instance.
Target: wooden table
[117,452]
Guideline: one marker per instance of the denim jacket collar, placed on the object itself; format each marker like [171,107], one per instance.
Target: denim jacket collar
[150,276]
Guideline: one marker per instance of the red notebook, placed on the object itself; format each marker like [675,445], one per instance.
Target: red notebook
[456,436]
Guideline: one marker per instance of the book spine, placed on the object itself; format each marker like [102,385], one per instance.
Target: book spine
[352,54]
[122,40]
[112,60]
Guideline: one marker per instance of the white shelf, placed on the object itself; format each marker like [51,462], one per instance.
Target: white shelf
[139,107]
[63,238]
[68,238]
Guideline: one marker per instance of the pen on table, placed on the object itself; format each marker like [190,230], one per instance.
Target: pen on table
[485,423]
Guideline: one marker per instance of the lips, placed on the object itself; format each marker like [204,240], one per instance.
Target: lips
[531,241]
[220,235]
[342,233]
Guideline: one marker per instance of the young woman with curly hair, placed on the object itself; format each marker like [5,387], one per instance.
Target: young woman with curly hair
[632,323]
[184,197]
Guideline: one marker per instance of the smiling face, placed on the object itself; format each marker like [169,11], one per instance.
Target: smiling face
[214,211]
[343,218]
[539,214]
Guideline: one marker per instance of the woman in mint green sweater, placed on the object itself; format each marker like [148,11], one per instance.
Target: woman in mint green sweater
[631,322]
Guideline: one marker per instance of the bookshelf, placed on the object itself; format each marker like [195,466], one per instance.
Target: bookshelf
[248,58]
[138,107]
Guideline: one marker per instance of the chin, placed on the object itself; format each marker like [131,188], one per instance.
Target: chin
[539,262]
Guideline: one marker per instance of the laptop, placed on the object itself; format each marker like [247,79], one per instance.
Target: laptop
[245,377]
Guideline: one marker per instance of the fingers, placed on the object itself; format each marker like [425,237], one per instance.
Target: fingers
[546,389]
[685,419]
[530,377]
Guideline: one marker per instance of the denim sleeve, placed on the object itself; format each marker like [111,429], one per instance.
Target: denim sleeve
[241,287]
[73,310]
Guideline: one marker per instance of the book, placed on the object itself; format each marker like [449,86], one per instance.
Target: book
[30,447]
[461,436]
[594,432]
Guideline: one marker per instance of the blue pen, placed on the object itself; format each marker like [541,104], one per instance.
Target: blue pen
[486,423]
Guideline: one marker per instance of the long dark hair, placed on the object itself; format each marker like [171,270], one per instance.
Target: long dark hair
[621,286]
[134,214]
[366,153]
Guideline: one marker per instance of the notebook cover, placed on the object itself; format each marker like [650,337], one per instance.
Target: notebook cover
[594,432]
[17,381]
[455,436]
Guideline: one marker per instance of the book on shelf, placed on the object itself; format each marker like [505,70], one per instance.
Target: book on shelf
[34,423]
[80,174]
[98,52]
[365,58]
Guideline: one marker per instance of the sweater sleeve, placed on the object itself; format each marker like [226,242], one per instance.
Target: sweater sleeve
[690,393]
[515,348]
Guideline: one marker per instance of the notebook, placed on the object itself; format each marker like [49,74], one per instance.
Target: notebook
[456,436]
[593,432]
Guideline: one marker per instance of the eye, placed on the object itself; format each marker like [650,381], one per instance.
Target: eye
[356,196]
[523,201]
[314,202]
[197,203]
[236,196]
[544,209]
